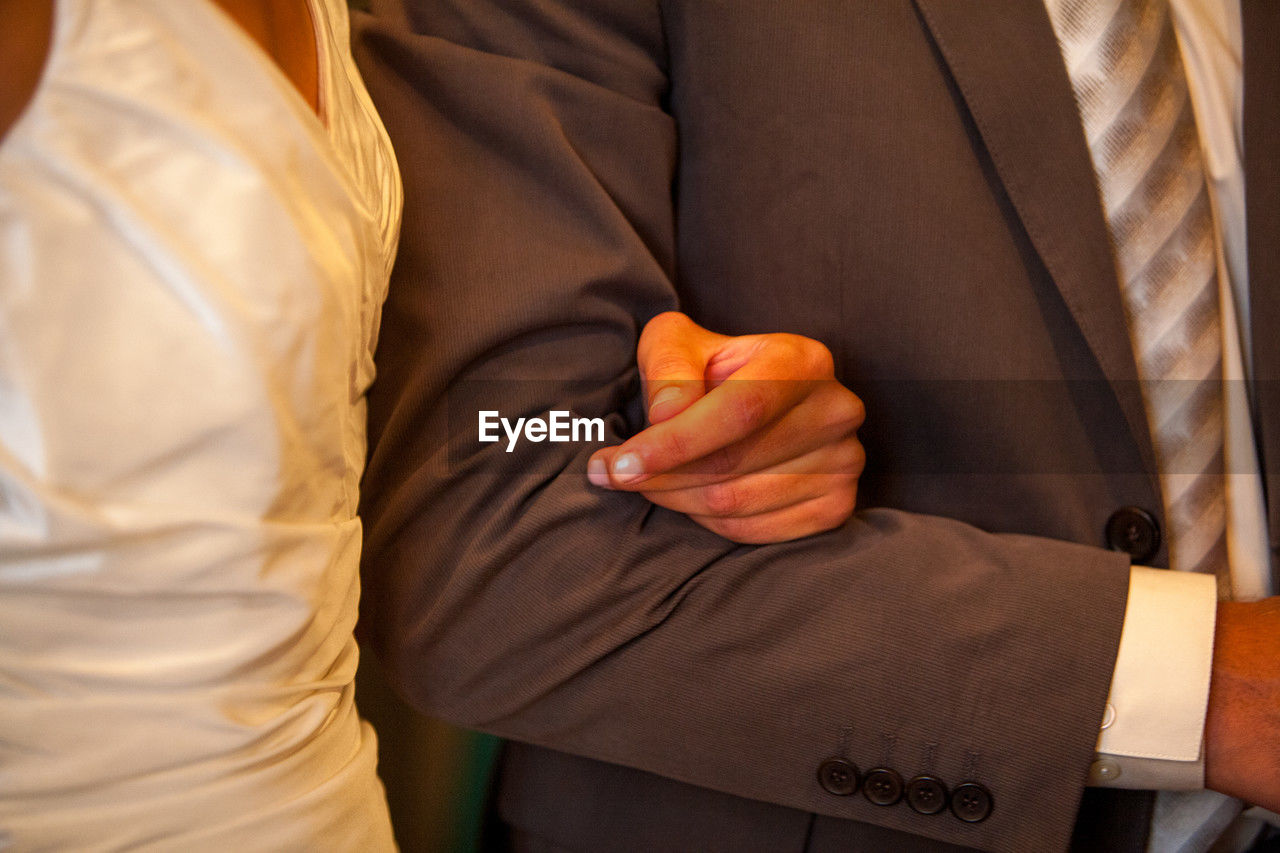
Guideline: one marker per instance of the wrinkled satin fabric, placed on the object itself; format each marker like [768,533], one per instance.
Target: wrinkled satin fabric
[192,265]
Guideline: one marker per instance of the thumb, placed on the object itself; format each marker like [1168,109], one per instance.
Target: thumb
[673,355]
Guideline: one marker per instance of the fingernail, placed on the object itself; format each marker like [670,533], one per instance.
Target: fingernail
[598,472]
[666,395]
[626,468]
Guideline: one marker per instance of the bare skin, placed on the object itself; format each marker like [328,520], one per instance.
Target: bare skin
[777,457]
[286,32]
[282,27]
[1242,727]
[752,436]
[759,461]
[25,29]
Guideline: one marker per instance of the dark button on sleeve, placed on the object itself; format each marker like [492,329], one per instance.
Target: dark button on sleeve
[882,786]
[838,776]
[1134,531]
[926,795]
[971,802]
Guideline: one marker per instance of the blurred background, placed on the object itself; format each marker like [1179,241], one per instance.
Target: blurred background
[437,775]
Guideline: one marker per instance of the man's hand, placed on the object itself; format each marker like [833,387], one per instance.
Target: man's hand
[752,437]
[1242,727]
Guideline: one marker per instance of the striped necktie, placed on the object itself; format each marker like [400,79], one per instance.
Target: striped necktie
[1123,60]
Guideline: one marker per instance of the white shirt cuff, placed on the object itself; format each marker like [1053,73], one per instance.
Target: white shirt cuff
[1153,725]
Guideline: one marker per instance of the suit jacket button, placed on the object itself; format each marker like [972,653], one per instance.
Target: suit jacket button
[971,802]
[926,795]
[838,776]
[1134,531]
[882,786]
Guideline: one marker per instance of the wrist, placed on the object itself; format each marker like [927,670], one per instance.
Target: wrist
[1242,725]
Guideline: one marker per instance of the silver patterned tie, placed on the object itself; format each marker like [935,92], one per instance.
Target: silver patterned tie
[1123,60]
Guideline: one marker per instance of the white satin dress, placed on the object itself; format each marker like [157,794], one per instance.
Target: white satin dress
[192,265]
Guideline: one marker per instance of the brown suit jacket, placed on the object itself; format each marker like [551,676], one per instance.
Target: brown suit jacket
[904,180]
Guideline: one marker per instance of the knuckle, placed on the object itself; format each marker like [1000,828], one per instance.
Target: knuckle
[672,449]
[859,410]
[724,500]
[749,406]
[820,361]
[810,357]
[834,510]
[842,504]
[664,322]
[852,457]
[796,349]
[719,463]
[846,410]
[659,328]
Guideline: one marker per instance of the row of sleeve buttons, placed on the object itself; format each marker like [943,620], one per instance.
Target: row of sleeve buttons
[1130,529]
[970,802]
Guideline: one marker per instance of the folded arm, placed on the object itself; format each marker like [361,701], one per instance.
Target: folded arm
[508,593]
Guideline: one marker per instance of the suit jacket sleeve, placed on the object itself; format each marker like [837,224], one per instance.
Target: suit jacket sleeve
[508,595]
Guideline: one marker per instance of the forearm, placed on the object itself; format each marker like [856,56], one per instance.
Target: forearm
[508,593]
[588,624]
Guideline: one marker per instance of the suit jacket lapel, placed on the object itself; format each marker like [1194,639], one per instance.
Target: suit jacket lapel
[1262,200]
[1006,63]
